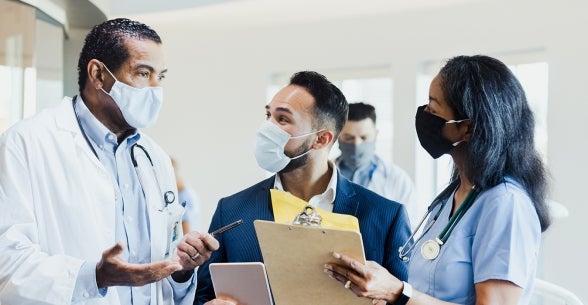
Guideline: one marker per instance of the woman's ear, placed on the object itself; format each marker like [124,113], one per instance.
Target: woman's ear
[466,127]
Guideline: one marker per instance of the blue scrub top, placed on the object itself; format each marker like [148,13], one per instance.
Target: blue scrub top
[497,238]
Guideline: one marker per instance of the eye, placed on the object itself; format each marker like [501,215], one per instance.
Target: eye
[161,77]
[143,74]
[429,109]
[282,119]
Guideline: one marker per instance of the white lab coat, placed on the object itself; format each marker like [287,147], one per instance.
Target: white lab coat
[57,211]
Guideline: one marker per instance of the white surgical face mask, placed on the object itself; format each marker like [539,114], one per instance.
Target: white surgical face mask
[139,107]
[269,147]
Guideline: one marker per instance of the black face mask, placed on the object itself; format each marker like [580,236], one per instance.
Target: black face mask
[428,128]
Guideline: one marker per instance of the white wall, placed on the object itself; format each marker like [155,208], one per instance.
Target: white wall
[218,73]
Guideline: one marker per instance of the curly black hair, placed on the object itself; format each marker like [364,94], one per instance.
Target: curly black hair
[105,42]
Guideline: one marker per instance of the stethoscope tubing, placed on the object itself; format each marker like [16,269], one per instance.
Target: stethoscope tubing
[440,199]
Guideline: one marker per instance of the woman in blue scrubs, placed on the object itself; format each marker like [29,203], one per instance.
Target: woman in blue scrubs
[480,241]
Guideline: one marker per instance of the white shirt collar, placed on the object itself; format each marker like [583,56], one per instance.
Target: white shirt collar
[325,200]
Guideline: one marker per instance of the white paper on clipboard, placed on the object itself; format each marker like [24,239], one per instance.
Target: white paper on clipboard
[244,282]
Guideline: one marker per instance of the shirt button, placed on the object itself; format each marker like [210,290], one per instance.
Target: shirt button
[127,185]
[86,294]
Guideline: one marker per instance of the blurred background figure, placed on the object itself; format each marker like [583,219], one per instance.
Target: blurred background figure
[191,219]
[359,163]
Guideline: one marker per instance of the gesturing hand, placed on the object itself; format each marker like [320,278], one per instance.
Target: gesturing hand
[111,270]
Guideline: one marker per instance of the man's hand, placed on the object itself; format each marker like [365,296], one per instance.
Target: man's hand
[111,270]
[194,249]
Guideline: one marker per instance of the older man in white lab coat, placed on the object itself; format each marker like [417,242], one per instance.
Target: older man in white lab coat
[88,202]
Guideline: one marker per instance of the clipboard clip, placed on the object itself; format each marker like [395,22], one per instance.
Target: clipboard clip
[308,217]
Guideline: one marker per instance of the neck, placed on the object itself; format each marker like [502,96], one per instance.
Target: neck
[465,185]
[109,117]
[309,180]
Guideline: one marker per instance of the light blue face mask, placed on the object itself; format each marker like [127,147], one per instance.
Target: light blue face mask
[269,147]
[139,107]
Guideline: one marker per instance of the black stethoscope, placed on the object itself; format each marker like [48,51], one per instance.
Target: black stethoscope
[168,197]
[430,249]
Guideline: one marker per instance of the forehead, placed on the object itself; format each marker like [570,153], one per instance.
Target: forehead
[144,52]
[437,100]
[436,91]
[365,126]
[294,99]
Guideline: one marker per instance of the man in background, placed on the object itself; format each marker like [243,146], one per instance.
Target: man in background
[359,163]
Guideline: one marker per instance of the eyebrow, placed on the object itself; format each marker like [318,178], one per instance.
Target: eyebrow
[279,109]
[148,67]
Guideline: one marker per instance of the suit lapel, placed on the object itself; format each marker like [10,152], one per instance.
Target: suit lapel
[264,200]
[345,199]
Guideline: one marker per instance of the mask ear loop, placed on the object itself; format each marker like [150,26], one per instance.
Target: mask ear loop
[301,136]
[304,135]
[456,122]
[108,70]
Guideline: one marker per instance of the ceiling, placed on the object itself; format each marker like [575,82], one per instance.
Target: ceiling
[234,12]
[125,7]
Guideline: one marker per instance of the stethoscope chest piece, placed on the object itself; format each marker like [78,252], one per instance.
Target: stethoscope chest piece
[430,249]
[169,197]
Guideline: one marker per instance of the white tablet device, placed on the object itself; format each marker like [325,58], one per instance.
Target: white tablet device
[244,282]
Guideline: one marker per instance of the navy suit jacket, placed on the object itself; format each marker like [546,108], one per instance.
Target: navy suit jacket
[383,224]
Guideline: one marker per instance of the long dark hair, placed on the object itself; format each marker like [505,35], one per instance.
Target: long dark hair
[485,90]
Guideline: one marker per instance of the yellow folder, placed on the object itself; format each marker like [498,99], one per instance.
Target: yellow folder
[286,206]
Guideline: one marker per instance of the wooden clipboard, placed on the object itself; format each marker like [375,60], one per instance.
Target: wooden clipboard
[294,256]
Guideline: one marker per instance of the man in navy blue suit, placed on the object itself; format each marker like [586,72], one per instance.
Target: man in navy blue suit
[304,119]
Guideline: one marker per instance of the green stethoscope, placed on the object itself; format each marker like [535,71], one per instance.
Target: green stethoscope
[430,249]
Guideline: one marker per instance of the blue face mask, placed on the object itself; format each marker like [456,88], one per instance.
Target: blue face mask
[270,144]
[139,107]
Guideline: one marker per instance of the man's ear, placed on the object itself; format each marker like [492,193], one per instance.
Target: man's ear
[324,138]
[95,73]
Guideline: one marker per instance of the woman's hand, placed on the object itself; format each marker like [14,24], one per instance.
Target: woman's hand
[370,280]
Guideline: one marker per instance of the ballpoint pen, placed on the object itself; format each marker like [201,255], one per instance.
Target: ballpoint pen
[227,227]
[219,231]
